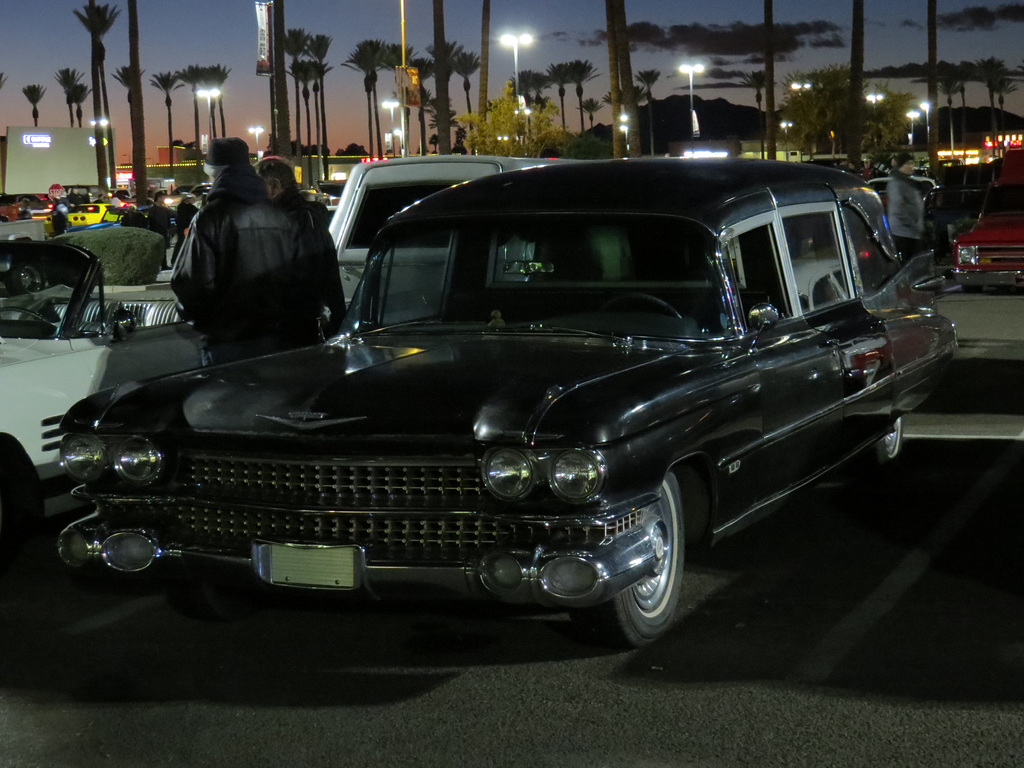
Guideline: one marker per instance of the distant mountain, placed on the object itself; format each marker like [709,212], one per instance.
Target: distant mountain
[721,120]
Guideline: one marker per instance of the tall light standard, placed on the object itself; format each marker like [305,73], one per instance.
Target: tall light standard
[689,70]
[210,94]
[256,130]
[913,115]
[514,41]
[927,121]
[390,105]
[874,98]
[624,127]
[785,125]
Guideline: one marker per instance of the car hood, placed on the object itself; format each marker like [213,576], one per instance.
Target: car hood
[15,350]
[479,387]
[1002,228]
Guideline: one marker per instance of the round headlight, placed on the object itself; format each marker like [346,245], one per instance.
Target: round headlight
[508,473]
[967,254]
[84,457]
[577,475]
[138,461]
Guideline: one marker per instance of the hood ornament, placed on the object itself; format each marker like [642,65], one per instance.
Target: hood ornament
[308,420]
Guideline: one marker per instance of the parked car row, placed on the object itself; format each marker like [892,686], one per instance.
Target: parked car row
[549,383]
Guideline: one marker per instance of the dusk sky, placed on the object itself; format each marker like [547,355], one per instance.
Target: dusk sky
[38,39]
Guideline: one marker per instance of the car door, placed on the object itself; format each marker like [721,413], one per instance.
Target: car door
[829,302]
[798,364]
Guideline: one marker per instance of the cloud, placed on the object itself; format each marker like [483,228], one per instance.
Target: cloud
[735,40]
[980,17]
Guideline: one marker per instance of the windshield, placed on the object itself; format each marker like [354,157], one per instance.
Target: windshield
[631,275]
[1008,199]
[36,283]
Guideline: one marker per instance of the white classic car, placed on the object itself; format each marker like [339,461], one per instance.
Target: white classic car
[64,336]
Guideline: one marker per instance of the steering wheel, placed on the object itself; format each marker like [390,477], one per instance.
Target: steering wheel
[25,311]
[625,301]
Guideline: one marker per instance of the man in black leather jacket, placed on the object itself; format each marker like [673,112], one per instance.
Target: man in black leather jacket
[318,249]
[240,278]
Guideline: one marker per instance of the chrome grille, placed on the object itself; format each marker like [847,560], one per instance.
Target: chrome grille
[1001,252]
[334,484]
[386,536]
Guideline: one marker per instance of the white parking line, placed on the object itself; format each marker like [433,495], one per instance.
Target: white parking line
[113,616]
[819,665]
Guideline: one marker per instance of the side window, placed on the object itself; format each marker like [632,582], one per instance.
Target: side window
[872,265]
[817,259]
[413,277]
[754,256]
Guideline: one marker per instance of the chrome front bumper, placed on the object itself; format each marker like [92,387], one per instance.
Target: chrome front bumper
[979,278]
[543,575]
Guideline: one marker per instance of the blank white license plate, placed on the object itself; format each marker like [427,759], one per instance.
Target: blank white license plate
[312,566]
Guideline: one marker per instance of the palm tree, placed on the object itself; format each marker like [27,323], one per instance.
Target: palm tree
[192,76]
[34,93]
[296,41]
[646,78]
[591,107]
[485,53]
[98,19]
[368,57]
[137,114]
[442,71]
[464,64]
[216,76]
[933,82]
[855,96]
[989,72]
[426,68]
[67,79]
[627,93]
[1003,86]
[319,45]
[532,85]
[756,80]
[78,95]
[281,130]
[949,87]
[319,70]
[580,72]
[167,82]
[304,73]
[769,79]
[559,75]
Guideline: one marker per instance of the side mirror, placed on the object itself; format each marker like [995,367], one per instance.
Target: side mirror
[122,323]
[762,315]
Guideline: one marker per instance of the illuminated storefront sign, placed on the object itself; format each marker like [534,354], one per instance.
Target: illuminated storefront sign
[37,140]
[1007,140]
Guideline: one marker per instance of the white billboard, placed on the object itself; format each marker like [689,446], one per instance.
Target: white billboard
[39,157]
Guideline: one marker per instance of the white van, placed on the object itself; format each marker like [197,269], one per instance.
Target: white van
[375,191]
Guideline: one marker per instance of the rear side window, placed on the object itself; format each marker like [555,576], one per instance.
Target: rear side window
[872,266]
[817,259]
[381,203]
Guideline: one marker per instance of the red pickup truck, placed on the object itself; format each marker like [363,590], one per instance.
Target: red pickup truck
[992,253]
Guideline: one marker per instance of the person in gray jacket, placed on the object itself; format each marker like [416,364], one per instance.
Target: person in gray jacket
[905,206]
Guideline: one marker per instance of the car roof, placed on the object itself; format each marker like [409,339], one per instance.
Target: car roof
[717,191]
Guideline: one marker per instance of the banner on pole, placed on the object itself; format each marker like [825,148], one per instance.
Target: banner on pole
[263,38]
[407,81]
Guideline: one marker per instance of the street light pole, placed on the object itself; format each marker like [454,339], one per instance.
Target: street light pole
[210,94]
[688,70]
[913,115]
[256,130]
[514,41]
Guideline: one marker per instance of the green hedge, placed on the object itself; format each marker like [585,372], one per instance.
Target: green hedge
[130,255]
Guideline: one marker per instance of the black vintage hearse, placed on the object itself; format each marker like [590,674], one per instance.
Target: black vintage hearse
[549,382]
